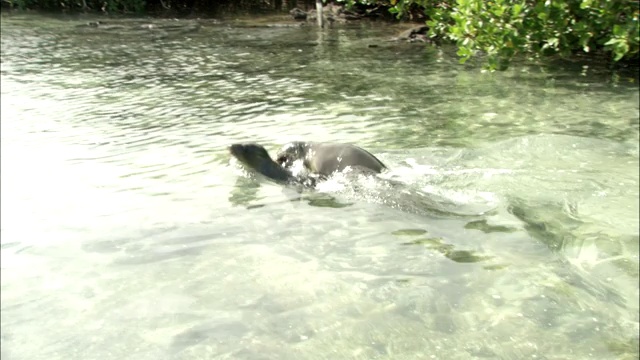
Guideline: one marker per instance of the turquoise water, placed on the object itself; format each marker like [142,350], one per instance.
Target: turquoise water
[129,233]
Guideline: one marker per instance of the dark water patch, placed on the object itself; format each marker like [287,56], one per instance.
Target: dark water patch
[496,267]
[105,246]
[464,256]
[325,201]
[630,267]
[483,226]
[543,224]
[9,245]
[449,250]
[409,232]
[624,347]
[161,254]
[219,335]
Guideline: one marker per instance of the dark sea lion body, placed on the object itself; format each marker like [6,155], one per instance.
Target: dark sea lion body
[327,158]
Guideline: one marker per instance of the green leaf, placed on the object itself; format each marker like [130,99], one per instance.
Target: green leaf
[464,52]
[612,41]
[585,4]
[618,30]
[516,10]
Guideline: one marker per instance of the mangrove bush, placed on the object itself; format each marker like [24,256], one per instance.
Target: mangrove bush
[503,28]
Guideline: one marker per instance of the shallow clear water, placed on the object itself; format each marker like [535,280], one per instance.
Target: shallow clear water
[511,230]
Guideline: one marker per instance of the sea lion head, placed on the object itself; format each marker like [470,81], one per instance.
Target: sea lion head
[252,155]
[257,158]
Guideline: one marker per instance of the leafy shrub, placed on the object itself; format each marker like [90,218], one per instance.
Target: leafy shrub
[503,28]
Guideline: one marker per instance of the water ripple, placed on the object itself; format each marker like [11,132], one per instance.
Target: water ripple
[121,196]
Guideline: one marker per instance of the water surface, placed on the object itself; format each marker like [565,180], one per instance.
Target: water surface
[509,229]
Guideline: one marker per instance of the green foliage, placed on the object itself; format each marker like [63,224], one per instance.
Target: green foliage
[351,3]
[502,29]
[120,6]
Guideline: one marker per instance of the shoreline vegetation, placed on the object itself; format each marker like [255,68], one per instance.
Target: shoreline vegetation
[497,30]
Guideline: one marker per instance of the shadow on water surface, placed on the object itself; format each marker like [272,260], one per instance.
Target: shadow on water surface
[483,226]
[448,250]
[396,195]
[244,192]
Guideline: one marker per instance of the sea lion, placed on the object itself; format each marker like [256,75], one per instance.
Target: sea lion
[327,158]
[322,159]
[257,158]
